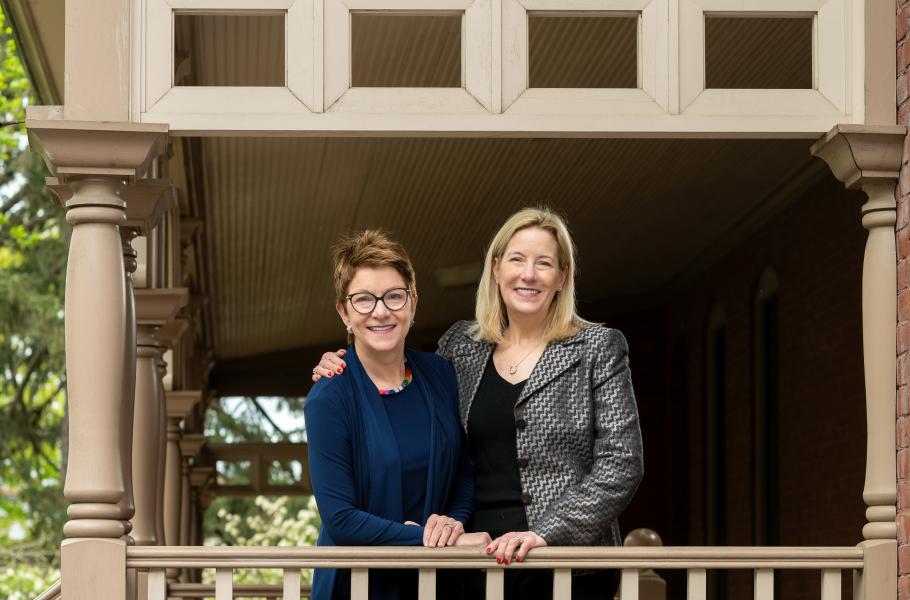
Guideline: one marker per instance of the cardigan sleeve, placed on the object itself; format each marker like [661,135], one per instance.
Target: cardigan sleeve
[607,489]
[330,449]
[461,501]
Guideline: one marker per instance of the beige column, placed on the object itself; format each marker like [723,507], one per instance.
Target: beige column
[201,479]
[95,160]
[178,406]
[869,158]
[190,445]
[154,309]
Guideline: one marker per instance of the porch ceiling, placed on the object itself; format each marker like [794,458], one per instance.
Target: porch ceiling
[645,214]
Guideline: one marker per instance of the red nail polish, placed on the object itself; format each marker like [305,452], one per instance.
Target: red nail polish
[489,550]
[328,374]
[339,371]
[507,562]
[498,561]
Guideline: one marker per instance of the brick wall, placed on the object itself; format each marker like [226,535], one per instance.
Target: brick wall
[816,248]
[903,331]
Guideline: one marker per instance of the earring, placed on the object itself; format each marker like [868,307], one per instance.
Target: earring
[348,329]
[413,321]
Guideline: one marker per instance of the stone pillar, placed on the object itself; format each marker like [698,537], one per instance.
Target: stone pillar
[868,158]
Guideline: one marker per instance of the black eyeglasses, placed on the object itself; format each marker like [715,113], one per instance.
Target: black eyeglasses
[365,302]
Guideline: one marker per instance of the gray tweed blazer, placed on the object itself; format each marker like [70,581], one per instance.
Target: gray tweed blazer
[580,439]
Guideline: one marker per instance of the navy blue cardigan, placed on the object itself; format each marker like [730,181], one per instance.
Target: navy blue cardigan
[355,467]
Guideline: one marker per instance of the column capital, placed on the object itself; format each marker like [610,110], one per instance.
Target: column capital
[191,444]
[92,148]
[179,404]
[159,306]
[200,477]
[862,154]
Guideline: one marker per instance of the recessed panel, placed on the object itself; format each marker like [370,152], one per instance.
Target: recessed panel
[406,50]
[758,52]
[587,50]
[234,49]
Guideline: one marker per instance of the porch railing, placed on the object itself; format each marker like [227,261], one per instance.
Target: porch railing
[829,562]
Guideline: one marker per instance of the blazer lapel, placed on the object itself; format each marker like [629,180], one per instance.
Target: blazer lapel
[555,359]
[472,359]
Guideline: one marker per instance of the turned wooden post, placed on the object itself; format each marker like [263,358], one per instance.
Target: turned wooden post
[868,157]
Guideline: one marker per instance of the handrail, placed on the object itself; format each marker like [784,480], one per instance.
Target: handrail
[241,590]
[51,593]
[354,557]
[634,563]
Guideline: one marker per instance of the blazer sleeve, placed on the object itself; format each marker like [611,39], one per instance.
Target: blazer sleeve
[606,490]
[444,349]
[330,449]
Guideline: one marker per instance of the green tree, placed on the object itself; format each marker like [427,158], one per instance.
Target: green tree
[32,381]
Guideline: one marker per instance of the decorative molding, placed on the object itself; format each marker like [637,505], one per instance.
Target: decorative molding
[859,154]
[191,444]
[158,307]
[86,148]
[180,403]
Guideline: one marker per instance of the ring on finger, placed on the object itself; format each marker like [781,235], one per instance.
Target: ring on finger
[449,526]
[518,539]
[314,371]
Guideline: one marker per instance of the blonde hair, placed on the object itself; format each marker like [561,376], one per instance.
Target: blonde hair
[562,321]
[372,248]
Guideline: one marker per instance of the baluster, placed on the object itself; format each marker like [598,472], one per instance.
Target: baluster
[697,584]
[360,584]
[628,586]
[562,584]
[764,584]
[224,584]
[291,584]
[157,585]
[495,584]
[831,584]
[426,584]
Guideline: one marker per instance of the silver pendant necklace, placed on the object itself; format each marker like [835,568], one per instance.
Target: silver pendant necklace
[513,368]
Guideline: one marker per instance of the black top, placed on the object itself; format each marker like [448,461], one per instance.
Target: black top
[493,450]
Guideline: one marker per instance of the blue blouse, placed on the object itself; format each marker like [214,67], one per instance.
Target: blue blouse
[356,466]
[410,422]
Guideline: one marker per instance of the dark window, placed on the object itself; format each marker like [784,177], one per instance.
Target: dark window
[208,50]
[591,50]
[758,52]
[405,50]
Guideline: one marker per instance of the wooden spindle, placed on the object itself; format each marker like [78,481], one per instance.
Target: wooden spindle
[764,584]
[426,584]
[291,584]
[224,584]
[831,582]
[628,585]
[562,584]
[495,584]
[157,585]
[360,584]
[697,584]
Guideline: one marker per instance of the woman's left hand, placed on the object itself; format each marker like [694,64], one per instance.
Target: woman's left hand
[514,543]
[441,530]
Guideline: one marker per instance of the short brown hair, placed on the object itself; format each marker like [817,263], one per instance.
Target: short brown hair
[369,248]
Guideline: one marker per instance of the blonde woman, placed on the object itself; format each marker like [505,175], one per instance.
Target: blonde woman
[546,400]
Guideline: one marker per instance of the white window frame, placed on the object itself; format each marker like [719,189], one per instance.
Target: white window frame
[154,92]
[474,96]
[830,53]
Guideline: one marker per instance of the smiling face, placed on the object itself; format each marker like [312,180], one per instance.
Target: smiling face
[382,330]
[528,274]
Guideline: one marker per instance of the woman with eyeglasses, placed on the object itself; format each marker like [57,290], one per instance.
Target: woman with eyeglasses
[386,457]
[546,401]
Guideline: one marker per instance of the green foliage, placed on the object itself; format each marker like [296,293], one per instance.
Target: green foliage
[265,521]
[32,272]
